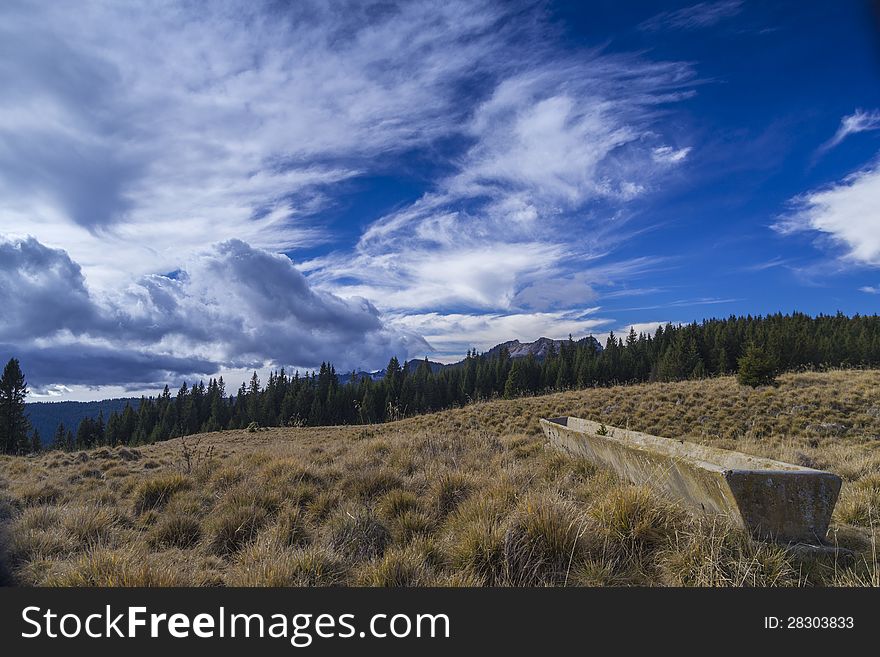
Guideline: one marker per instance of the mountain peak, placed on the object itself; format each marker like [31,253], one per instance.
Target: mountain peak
[540,348]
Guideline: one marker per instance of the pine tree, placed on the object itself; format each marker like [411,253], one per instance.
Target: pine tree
[14,424]
[59,440]
[36,442]
[756,368]
[517,380]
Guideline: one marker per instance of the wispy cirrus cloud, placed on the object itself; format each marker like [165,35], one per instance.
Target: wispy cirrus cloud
[176,125]
[858,121]
[509,228]
[694,17]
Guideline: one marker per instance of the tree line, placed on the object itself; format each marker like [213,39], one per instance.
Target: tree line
[755,347]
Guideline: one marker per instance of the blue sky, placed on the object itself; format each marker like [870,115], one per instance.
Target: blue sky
[189,190]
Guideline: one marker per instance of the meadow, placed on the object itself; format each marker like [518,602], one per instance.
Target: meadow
[465,497]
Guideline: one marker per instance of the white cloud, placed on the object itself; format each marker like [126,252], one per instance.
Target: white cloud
[174,126]
[670,155]
[847,213]
[510,228]
[870,289]
[698,16]
[858,121]
[230,306]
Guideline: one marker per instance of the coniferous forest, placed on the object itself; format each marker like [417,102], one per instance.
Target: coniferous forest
[673,352]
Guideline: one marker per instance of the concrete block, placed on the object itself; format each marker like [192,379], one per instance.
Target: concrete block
[771,499]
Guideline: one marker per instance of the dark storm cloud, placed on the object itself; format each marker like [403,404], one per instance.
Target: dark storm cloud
[231,306]
[255,305]
[75,364]
[42,291]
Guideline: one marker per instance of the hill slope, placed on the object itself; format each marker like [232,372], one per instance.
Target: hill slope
[467,496]
[45,416]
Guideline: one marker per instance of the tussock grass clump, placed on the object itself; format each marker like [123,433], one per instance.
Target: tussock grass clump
[128,453]
[40,492]
[265,563]
[594,572]
[116,567]
[37,517]
[7,506]
[476,536]
[450,490]
[632,522]
[174,530]
[91,524]
[227,476]
[397,568]
[859,506]
[254,495]
[411,524]
[397,502]
[290,471]
[357,534]
[370,484]
[713,553]
[292,528]
[232,527]
[322,506]
[543,538]
[402,513]
[155,492]
[32,545]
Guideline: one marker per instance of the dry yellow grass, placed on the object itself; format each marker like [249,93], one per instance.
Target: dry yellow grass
[465,497]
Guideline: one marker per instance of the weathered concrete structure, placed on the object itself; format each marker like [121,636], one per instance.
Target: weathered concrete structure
[771,499]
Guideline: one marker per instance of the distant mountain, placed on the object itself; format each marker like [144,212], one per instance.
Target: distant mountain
[45,416]
[540,348]
[377,375]
[360,374]
[414,364]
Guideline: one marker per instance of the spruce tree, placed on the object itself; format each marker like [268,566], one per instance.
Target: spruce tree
[59,440]
[756,368]
[14,424]
[36,442]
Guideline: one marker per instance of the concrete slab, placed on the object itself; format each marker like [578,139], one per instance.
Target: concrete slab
[771,499]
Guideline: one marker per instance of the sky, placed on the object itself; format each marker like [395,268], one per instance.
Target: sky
[190,189]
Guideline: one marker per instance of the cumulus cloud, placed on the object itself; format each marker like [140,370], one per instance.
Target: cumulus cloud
[95,366]
[230,306]
[847,213]
[694,17]
[858,121]
[870,289]
[42,291]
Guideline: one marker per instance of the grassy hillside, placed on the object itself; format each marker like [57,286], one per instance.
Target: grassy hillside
[464,497]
